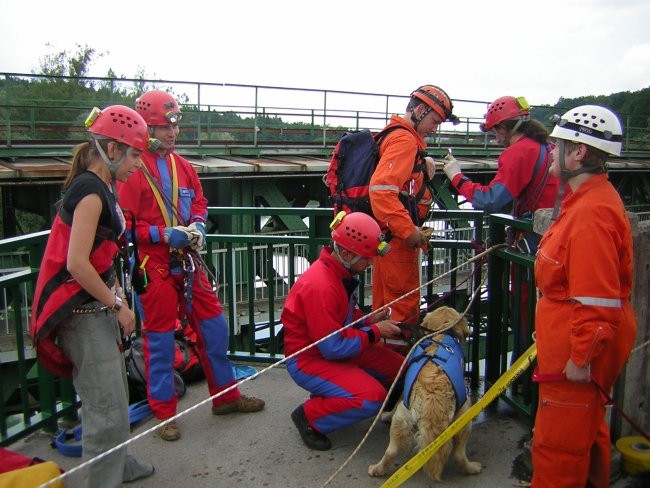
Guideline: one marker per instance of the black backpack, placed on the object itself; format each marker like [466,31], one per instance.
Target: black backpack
[352,164]
[134,360]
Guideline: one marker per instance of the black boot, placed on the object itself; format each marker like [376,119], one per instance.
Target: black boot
[311,437]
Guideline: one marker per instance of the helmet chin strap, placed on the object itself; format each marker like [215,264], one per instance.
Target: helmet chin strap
[566,175]
[416,121]
[112,166]
[511,132]
[346,265]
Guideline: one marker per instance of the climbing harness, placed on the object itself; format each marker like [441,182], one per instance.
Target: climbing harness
[449,356]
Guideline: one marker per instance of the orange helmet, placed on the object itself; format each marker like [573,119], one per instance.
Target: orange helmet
[158,108]
[437,100]
[505,108]
[358,233]
[120,123]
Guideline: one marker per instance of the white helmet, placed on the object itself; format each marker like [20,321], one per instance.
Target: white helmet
[591,125]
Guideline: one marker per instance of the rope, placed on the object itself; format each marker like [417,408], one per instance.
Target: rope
[276,364]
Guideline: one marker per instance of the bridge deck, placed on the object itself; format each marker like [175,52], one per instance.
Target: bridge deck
[56,167]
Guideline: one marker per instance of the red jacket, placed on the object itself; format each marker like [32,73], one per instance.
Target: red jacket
[136,196]
[317,305]
[512,181]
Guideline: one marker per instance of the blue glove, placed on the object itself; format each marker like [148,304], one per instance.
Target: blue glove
[178,237]
[197,229]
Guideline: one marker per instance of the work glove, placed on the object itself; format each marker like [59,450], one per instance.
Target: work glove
[451,167]
[425,235]
[178,237]
[197,229]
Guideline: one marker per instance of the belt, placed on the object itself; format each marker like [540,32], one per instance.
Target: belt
[92,307]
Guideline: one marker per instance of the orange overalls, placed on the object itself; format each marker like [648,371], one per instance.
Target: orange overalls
[398,272]
[584,272]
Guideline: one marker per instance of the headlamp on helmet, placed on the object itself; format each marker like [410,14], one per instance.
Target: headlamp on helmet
[92,116]
[173,117]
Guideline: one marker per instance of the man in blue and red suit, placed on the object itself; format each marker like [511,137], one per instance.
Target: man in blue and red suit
[166,199]
[347,374]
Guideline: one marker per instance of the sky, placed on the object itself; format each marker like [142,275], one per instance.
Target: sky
[475,50]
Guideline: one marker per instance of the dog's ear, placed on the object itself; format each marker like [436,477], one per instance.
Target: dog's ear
[462,329]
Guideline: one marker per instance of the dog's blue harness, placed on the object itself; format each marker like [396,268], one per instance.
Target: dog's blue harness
[449,356]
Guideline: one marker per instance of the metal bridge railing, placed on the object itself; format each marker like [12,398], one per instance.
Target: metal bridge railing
[511,314]
[255,272]
[232,114]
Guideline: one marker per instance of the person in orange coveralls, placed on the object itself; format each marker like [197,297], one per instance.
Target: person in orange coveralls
[400,200]
[585,324]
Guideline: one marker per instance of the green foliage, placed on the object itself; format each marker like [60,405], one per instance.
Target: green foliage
[61,95]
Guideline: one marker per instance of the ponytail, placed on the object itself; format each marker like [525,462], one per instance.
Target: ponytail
[532,128]
[82,155]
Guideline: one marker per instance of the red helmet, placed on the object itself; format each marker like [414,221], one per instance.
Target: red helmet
[358,233]
[120,123]
[438,100]
[158,108]
[505,108]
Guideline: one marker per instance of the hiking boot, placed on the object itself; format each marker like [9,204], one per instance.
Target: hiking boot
[243,404]
[170,431]
[310,436]
[136,470]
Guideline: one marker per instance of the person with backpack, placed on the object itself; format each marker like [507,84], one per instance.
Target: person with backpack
[585,323]
[347,374]
[400,199]
[169,212]
[78,307]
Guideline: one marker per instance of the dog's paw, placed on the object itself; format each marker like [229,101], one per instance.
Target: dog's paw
[472,467]
[386,417]
[376,470]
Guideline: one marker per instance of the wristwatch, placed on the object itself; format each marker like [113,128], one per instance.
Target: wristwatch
[117,306]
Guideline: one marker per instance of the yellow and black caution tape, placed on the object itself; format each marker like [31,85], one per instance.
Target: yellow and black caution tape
[416,462]
[635,453]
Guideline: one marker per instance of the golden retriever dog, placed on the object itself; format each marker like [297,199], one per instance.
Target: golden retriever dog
[432,407]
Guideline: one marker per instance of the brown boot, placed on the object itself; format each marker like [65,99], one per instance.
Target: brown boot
[243,404]
[170,431]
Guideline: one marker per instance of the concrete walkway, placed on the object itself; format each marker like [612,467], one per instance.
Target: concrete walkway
[265,450]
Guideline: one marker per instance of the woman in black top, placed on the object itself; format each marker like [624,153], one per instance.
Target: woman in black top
[77,300]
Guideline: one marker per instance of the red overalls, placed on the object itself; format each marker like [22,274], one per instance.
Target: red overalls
[165,298]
